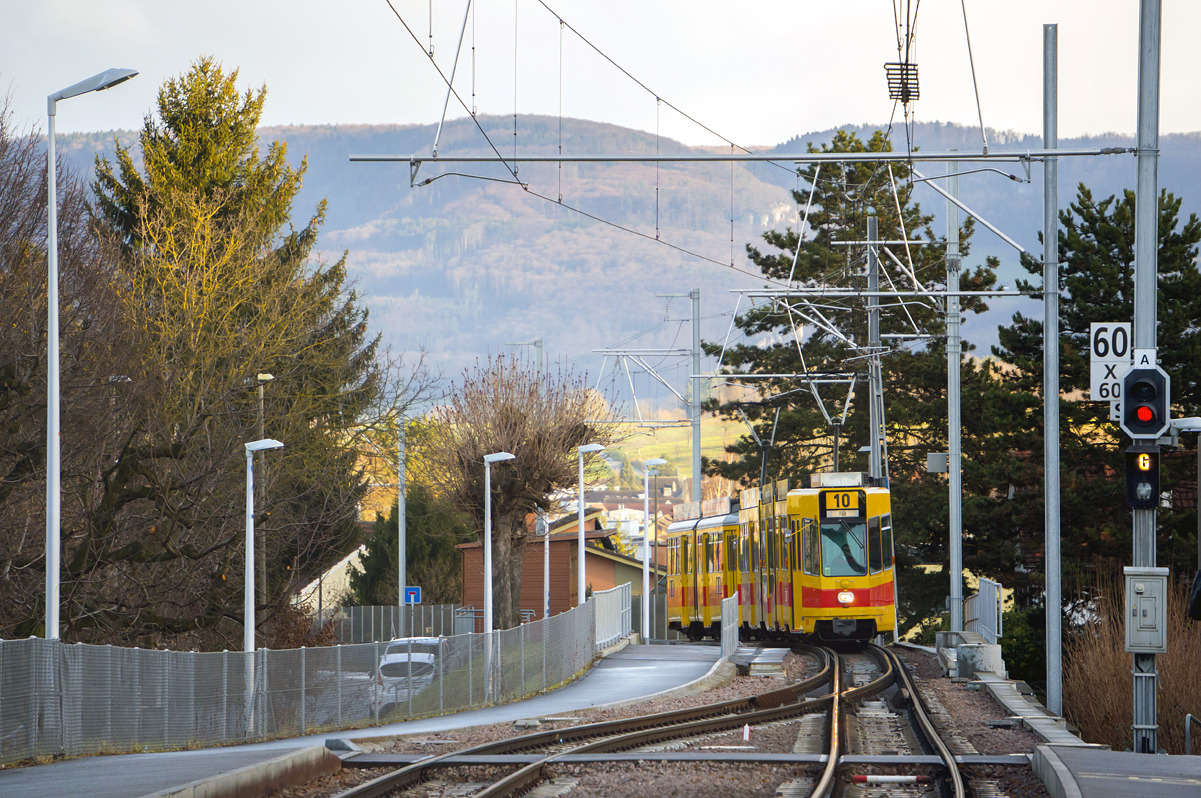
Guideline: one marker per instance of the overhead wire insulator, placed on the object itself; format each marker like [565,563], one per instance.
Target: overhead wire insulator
[902,81]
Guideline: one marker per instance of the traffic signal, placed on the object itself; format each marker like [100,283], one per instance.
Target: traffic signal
[1145,402]
[1142,477]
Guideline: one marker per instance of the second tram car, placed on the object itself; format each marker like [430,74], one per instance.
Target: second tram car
[815,560]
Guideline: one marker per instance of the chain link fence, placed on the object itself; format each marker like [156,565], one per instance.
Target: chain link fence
[72,700]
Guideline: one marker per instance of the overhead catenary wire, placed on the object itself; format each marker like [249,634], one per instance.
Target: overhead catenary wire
[975,86]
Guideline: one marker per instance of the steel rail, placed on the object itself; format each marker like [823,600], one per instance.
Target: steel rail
[926,726]
[523,779]
[826,782]
[734,711]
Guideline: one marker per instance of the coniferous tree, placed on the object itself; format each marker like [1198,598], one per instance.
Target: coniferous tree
[1096,247]
[834,343]
[217,287]
[431,561]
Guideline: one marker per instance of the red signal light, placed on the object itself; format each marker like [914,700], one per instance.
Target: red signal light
[1144,414]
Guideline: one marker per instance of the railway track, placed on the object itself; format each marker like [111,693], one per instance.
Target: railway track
[851,722]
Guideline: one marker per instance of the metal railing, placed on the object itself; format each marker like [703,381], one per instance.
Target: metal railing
[613,617]
[729,625]
[58,699]
[982,611]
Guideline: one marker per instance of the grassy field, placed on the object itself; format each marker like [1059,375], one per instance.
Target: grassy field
[675,443]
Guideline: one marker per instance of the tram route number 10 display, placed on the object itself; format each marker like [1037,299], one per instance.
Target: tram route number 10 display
[1111,355]
[842,503]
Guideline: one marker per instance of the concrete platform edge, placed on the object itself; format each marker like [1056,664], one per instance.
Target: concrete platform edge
[257,780]
[1054,774]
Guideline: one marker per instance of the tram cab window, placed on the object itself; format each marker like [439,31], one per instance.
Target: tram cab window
[810,544]
[874,557]
[886,539]
[844,548]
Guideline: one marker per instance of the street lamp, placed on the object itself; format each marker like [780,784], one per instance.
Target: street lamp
[587,448]
[646,545]
[262,379]
[489,459]
[248,601]
[105,80]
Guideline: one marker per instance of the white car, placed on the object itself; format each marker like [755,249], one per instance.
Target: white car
[407,667]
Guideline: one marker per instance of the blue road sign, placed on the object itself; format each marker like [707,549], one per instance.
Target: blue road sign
[413,594]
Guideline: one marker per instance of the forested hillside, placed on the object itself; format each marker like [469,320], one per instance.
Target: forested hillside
[463,265]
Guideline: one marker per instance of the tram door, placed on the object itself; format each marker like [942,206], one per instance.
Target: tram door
[696,563]
[766,575]
[783,569]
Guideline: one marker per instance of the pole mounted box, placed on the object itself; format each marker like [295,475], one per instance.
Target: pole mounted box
[1146,610]
[1146,402]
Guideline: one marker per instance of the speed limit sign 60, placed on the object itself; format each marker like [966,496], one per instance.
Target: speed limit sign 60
[1109,343]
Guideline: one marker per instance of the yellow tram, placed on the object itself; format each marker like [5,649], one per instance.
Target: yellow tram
[815,560]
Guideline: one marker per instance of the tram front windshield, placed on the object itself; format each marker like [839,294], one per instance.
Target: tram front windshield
[844,548]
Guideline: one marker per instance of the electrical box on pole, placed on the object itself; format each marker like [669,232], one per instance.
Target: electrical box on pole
[1145,402]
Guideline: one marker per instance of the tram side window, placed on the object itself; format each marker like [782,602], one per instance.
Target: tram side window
[731,551]
[875,558]
[754,547]
[886,539]
[810,544]
[794,545]
[684,560]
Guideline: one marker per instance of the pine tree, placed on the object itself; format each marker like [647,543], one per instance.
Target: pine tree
[1096,246]
[914,376]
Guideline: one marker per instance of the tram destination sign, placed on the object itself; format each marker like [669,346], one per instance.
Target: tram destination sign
[1111,354]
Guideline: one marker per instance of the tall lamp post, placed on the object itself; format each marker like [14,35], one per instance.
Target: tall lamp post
[105,80]
[646,545]
[262,379]
[248,601]
[489,459]
[587,448]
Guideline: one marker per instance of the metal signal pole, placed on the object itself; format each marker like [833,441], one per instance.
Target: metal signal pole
[954,412]
[1051,505]
[1146,270]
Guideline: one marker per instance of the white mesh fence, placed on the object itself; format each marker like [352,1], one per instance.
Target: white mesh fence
[71,700]
[370,624]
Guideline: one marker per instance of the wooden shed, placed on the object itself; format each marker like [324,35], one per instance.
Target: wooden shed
[604,567]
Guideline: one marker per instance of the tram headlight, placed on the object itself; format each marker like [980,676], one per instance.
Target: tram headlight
[846,598]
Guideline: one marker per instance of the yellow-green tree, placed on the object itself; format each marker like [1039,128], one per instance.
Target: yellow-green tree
[217,286]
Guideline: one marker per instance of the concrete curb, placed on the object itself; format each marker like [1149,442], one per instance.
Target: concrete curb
[1054,774]
[253,781]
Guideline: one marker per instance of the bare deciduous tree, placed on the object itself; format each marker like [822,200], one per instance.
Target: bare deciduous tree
[506,406]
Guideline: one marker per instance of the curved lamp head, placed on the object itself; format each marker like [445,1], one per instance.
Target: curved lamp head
[655,462]
[105,80]
[265,443]
[590,447]
[498,457]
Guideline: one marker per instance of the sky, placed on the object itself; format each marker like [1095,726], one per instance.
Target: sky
[756,72]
